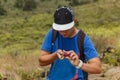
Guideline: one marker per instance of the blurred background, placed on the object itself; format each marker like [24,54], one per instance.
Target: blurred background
[24,23]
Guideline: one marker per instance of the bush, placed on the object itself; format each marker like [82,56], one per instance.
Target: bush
[110,59]
[81,2]
[30,74]
[29,5]
[2,11]
[0,76]
[19,3]
[26,5]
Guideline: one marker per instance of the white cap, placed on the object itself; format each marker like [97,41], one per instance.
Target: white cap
[61,27]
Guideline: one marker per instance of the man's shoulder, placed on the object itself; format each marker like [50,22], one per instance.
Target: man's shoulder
[49,30]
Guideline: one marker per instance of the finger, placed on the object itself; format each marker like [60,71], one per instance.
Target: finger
[68,58]
[60,55]
[72,54]
[64,51]
[74,57]
[71,51]
[59,50]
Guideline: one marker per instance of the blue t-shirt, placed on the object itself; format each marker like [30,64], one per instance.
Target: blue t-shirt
[63,69]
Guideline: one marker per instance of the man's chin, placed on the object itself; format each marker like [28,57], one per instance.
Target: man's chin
[65,36]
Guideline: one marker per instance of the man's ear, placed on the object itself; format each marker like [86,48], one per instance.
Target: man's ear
[76,22]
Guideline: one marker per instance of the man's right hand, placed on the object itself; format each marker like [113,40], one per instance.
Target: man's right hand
[60,54]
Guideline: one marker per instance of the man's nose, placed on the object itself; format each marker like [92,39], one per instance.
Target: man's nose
[62,32]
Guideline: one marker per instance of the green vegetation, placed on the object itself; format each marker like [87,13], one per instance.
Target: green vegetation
[23,26]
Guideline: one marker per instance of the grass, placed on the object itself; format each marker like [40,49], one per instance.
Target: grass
[22,33]
[23,67]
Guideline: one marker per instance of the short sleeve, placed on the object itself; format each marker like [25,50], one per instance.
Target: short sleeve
[46,45]
[89,49]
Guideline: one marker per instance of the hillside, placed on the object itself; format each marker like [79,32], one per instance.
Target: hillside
[22,32]
[21,28]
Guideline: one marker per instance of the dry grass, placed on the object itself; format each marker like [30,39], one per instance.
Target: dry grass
[21,67]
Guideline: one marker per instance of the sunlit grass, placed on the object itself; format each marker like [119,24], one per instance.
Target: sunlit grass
[22,33]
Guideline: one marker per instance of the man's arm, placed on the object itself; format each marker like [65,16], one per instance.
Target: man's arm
[93,66]
[45,58]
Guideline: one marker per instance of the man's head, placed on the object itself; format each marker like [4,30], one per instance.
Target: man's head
[63,19]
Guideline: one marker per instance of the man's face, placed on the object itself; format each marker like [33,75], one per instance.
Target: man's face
[66,33]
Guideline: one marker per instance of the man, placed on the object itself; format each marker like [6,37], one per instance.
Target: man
[63,55]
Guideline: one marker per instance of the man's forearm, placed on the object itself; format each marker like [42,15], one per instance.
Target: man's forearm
[94,68]
[47,59]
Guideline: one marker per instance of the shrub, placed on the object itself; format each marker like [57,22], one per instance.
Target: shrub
[30,74]
[26,5]
[81,2]
[110,59]
[2,11]
[0,76]
[19,3]
[29,5]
